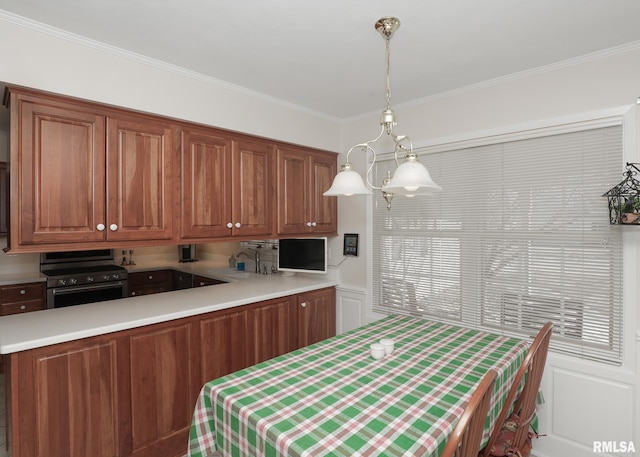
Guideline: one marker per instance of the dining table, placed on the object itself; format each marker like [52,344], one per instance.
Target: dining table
[333,398]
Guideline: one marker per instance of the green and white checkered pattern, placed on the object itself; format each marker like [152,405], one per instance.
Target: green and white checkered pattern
[333,399]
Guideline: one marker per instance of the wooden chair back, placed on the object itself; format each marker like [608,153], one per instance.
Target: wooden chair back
[523,402]
[467,435]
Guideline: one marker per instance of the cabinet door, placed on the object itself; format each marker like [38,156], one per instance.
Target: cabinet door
[324,210]
[139,180]
[303,176]
[57,173]
[253,188]
[316,316]
[293,191]
[163,391]
[274,324]
[205,185]
[68,401]
[225,343]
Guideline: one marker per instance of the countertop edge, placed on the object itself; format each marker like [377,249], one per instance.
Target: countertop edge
[26,331]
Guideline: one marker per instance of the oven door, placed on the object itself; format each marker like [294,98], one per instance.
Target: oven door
[60,297]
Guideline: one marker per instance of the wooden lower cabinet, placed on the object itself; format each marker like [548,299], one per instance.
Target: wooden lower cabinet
[227,329]
[158,405]
[316,316]
[65,400]
[132,393]
[272,325]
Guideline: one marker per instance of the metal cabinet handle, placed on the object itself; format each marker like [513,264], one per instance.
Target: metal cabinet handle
[229,225]
[23,307]
[100,227]
[238,224]
[150,276]
[22,291]
[308,224]
[201,283]
[303,304]
[113,227]
[313,224]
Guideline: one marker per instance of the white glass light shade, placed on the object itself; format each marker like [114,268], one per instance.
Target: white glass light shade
[411,178]
[347,183]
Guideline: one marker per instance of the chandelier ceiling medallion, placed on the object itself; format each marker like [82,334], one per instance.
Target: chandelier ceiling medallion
[411,178]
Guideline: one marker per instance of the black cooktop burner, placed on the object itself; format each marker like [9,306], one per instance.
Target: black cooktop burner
[83,270]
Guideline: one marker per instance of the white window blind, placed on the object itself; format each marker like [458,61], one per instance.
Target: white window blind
[519,236]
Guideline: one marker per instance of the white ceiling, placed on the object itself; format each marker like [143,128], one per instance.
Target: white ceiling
[326,56]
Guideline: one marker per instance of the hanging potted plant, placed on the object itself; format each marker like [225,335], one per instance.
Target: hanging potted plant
[630,211]
[624,198]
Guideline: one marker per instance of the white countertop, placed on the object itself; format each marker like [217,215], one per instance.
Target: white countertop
[21,278]
[20,332]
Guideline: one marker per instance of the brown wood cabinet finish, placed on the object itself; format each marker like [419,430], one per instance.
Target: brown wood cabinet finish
[163,388]
[226,329]
[85,174]
[58,170]
[139,180]
[65,400]
[132,393]
[227,185]
[272,324]
[4,198]
[303,176]
[316,316]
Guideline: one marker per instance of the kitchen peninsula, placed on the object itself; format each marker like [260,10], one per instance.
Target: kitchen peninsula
[120,378]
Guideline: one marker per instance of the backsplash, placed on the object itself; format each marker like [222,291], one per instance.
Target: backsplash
[29,263]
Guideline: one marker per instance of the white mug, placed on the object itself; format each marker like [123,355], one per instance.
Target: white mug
[377,351]
[388,345]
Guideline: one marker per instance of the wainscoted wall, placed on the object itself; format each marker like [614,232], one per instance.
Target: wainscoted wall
[585,403]
[350,307]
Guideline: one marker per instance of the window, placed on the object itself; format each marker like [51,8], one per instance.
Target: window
[519,236]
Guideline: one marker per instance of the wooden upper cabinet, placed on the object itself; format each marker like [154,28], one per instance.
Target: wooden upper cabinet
[139,180]
[83,174]
[58,172]
[253,188]
[303,176]
[227,186]
[205,161]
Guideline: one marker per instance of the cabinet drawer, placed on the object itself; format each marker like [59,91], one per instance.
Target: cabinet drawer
[149,277]
[21,307]
[23,292]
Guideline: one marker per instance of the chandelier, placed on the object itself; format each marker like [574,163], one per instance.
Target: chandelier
[410,178]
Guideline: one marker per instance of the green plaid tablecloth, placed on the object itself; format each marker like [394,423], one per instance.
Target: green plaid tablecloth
[333,399]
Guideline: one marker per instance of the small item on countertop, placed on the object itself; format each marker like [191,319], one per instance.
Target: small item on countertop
[377,351]
[240,266]
[388,345]
[131,262]
[232,262]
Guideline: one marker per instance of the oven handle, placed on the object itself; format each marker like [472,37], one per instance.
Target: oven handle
[107,285]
